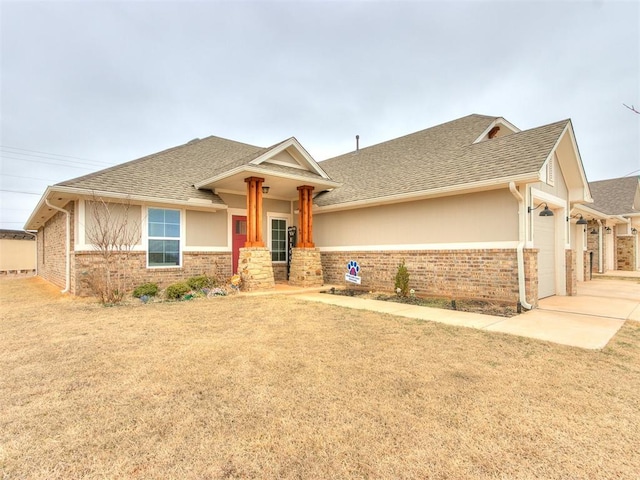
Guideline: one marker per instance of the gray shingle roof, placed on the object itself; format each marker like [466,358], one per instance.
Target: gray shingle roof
[438,157]
[171,174]
[441,156]
[615,196]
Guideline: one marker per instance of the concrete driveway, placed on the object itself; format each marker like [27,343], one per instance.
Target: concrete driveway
[587,320]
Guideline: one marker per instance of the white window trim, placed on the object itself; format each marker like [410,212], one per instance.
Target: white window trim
[277,216]
[145,235]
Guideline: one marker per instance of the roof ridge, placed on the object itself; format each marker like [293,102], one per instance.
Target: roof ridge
[403,137]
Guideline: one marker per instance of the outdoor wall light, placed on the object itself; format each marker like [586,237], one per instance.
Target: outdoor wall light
[545,212]
[581,219]
[634,231]
[265,189]
[608,229]
[594,232]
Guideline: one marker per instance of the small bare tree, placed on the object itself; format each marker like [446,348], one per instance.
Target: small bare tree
[113,233]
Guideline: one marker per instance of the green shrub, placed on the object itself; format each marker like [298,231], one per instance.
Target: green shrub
[177,290]
[202,281]
[148,289]
[402,280]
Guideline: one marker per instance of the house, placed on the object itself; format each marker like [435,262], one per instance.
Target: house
[17,252]
[614,221]
[475,207]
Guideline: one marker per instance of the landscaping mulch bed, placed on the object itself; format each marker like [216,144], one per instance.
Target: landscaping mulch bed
[462,305]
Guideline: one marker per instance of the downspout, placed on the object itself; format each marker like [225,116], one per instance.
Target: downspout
[67,248]
[522,293]
[600,252]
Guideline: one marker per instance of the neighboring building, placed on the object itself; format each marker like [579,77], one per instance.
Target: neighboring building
[614,222]
[17,252]
[460,203]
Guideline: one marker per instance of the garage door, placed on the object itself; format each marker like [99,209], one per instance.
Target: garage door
[544,240]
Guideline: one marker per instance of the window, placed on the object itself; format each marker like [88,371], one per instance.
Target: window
[278,240]
[164,238]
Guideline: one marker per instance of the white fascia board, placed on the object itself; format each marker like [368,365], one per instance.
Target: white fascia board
[424,194]
[590,211]
[497,121]
[41,203]
[217,178]
[552,153]
[81,192]
[250,169]
[583,175]
[291,142]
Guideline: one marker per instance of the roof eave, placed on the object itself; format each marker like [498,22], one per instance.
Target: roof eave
[432,193]
[76,193]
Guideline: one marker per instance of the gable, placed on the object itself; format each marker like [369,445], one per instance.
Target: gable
[290,153]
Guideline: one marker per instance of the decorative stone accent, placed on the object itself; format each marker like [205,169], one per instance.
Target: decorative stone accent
[306,268]
[255,269]
[626,250]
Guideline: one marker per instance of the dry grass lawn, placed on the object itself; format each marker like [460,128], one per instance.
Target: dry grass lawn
[274,387]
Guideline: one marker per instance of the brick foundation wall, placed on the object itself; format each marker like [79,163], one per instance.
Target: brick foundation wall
[473,274]
[626,252]
[194,263]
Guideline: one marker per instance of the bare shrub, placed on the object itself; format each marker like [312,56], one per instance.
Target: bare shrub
[113,233]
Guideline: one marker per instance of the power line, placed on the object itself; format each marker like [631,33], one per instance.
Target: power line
[19,191]
[48,163]
[21,176]
[52,158]
[54,154]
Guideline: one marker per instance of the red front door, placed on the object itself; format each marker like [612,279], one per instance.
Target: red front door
[239,237]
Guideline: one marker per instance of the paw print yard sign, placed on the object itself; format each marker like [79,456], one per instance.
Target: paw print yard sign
[353,269]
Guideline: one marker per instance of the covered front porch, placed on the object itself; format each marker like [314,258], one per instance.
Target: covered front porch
[275,227]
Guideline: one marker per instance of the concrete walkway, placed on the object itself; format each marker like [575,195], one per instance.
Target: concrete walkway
[588,320]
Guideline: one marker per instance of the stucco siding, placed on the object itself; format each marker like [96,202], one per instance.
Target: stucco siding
[206,229]
[479,217]
[99,216]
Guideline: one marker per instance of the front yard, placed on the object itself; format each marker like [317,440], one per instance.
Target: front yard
[273,387]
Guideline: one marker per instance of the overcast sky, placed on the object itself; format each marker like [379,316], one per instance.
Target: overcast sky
[87,84]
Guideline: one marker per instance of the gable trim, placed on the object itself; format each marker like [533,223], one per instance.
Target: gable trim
[291,142]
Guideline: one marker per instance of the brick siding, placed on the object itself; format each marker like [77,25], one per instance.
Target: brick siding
[473,274]
[137,273]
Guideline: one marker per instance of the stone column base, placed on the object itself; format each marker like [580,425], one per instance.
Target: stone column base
[306,268]
[255,269]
